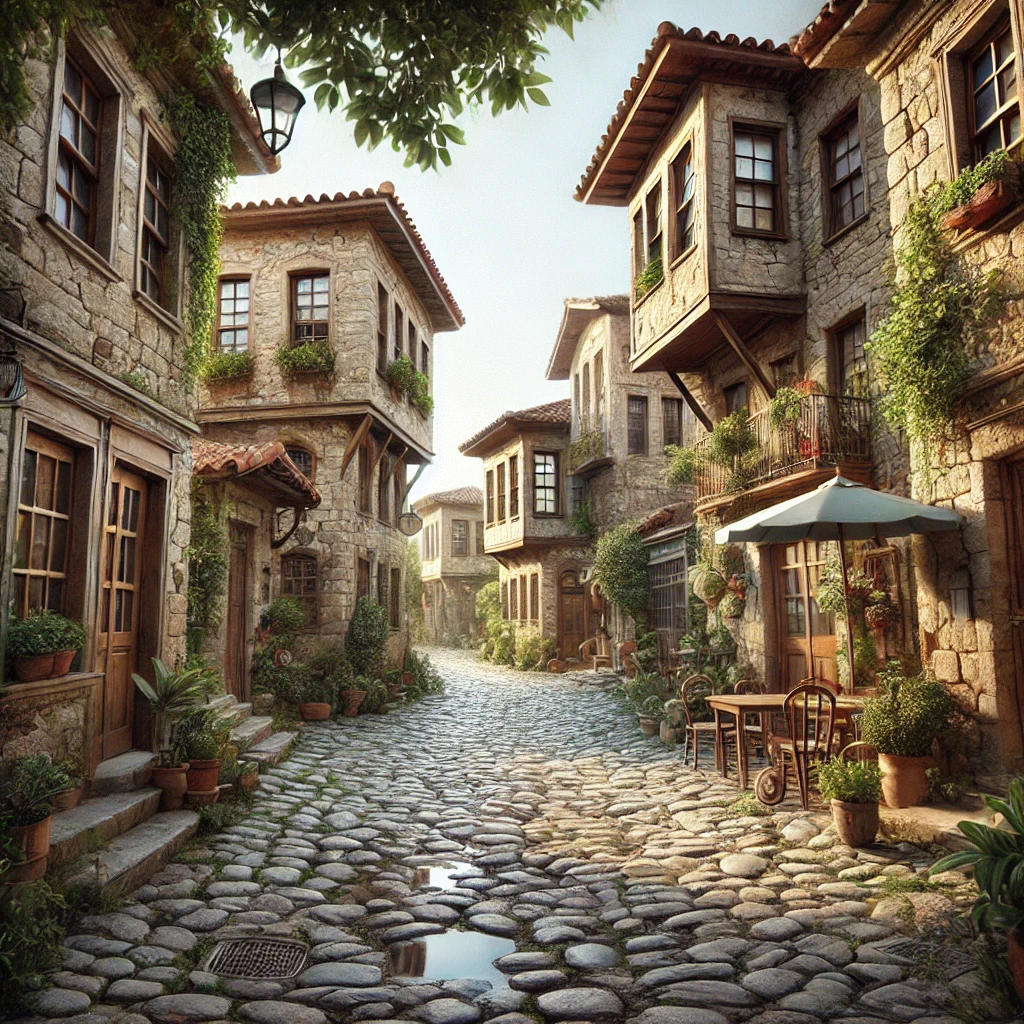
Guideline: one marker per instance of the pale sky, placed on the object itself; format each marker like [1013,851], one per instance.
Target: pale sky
[501,223]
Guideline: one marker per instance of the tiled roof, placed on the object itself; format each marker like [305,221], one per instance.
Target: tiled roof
[577,314]
[558,413]
[658,98]
[826,22]
[213,458]
[401,237]
[679,514]
[458,496]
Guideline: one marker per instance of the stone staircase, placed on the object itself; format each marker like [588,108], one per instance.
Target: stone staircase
[247,729]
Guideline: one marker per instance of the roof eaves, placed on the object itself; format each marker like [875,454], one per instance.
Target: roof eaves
[576,315]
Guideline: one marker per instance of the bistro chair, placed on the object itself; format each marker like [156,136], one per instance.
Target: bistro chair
[810,714]
[694,691]
[859,751]
[755,724]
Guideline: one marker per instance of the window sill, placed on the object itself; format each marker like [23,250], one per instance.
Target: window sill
[637,303]
[74,244]
[767,236]
[842,232]
[168,319]
[679,260]
[548,515]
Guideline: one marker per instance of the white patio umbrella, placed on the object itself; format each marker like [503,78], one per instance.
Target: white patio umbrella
[839,510]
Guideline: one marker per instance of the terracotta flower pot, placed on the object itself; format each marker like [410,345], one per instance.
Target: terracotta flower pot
[34,840]
[904,779]
[174,784]
[1015,956]
[648,726]
[991,199]
[248,783]
[31,667]
[395,691]
[857,824]
[407,679]
[62,662]
[202,774]
[316,712]
[69,798]
[352,699]
[203,798]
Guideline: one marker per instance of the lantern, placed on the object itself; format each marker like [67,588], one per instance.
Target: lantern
[277,103]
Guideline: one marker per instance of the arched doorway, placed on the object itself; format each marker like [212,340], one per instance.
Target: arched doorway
[572,619]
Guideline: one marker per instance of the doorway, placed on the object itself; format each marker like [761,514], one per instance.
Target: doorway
[806,633]
[236,675]
[571,614]
[118,625]
[1012,480]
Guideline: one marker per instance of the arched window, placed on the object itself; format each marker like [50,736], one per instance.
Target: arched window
[303,459]
[299,579]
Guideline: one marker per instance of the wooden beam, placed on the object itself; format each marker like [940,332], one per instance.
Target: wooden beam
[380,454]
[354,442]
[412,483]
[691,401]
[745,355]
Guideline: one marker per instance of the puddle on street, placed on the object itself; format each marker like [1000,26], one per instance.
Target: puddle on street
[452,955]
[440,877]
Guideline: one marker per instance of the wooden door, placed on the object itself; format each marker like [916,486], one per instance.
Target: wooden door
[118,625]
[1013,504]
[236,674]
[571,614]
[807,634]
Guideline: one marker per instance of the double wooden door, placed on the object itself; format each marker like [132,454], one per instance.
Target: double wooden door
[807,634]
[120,606]
[236,675]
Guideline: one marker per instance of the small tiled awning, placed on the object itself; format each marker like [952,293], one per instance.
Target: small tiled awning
[265,466]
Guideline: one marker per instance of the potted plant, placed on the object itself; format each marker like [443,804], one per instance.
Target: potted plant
[200,739]
[853,788]
[43,645]
[395,683]
[376,698]
[400,374]
[244,776]
[28,788]
[71,797]
[171,696]
[903,722]
[708,583]
[997,858]
[353,697]
[981,192]
[650,715]
[313,697]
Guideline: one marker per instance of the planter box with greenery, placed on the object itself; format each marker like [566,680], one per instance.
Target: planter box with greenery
[853,788]
[227,366]
[28,788]
[400,373]
[653,274]
[309,357]
[419,394]
[43,645]
[981,193]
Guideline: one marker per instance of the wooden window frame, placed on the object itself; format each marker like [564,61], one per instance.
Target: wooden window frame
[311,475]
[306,558]
[489,497]
[166,274]
[513,487]
[500,494]
[1002,26]
[680,205]
[840,125]
[524,611]
[654,222]
[638,236]
[647,425]
[779,379]
[835,354]
[585,394]
[504,600]
[363,574]
[77,160]
[777,131]
[676,418]
[222,329]
[395,598]
[513,598]
[535,598]
[464,523]
[383,323]
[364,496]
[728,388]
[478,534]
[311,275]
[598,385]
[384,470]
[556,488]
[398,332]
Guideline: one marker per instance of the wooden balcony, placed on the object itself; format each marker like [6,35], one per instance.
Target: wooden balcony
[831,432]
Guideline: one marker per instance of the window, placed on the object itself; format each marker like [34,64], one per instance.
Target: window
[845,175]
[672,421]
[460,538]
[310,312]
[399,332]
[412,341]
[684,197]
[736,397]
[652,210]
[667,587]
[576,400]
[382,586]
[362,578]
[756,181]
[489,501]
[599,390]
[44,527]
[397,487]
[523,611]
[479,536]
[501,492]
[365,476]
[513,486]
[784,371]
[995,105]
[513,599]
[586,397]
[383,301]
[639,252]
[233,315]
[383,479]
[504,599]
[299,580]
[534,598]
[850,359]
[395,606]
[545,483]
[78,154]
[303,461]
[424,359]
[156,231]
[636,425]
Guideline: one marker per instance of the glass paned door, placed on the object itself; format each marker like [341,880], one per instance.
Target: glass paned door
[807,634]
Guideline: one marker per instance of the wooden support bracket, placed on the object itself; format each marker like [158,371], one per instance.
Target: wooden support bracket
[691,401]
[354,442]
[745,355]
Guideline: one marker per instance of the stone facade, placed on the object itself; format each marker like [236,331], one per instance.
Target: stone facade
[103,364]
[452,579]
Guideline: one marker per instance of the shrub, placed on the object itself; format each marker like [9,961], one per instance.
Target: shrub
[426,680]
[505,646]
[785,407]
[682,466]
[853,782]
[533,650]
[228,366]
[28,786]
[309,357]
[419,394]
[376,696]
[283,616]
[908,714]
[305,687]
[583,520]
[732,438]
[367,637]
[400,374]
[31,933]
[207,556]
[43,633]
[620,569]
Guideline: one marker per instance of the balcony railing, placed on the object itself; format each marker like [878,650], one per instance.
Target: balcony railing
[589,448]
[831,430]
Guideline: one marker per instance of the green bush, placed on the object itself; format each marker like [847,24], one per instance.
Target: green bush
[908,714]
[584,521]
[28,787]
[201,735]
[283,616]
[505,646]
[376,696]
[786,407]
[620,569]
[400,374]
[367,637]
[228,366]
[853,782]
[309,357]
[732,439]
[426,680]
[419,394]
[207,555]
[648,278]
[682,466]
[533,651]
[43,633]
[31,932]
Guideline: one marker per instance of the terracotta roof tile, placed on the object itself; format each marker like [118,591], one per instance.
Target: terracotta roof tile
[558,413]
[826,22]
[678,514]
[458,496]
[211,458]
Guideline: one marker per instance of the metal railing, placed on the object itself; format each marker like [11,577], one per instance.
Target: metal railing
[831,429]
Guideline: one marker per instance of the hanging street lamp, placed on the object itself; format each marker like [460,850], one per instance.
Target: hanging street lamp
[277,103]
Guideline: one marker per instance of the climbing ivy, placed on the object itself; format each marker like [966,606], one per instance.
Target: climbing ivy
[207,564]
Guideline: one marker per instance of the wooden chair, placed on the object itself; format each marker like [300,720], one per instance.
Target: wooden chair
[859,751]
[692,689]
[810,714]
[755,725]
[597,650]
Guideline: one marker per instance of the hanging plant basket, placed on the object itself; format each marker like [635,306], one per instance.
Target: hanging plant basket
[708,584]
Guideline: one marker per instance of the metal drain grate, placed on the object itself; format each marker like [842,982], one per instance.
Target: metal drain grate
[256,958]
[946,960]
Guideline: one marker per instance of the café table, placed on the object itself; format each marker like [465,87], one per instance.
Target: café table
[739,705]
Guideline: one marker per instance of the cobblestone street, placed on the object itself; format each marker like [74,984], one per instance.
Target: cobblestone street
[609,881]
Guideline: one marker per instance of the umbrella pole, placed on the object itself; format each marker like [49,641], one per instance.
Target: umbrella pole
[849,614]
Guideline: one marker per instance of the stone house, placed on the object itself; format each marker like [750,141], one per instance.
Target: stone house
[249,485]
[756,192]
[454,564]
[347,284]
[948,78]
[528,524]
[621,425]
[95,461]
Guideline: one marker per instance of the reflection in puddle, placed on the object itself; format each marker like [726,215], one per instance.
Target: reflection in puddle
[452,955]
[440,877]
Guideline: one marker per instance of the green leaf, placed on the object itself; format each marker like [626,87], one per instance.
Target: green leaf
[538,97]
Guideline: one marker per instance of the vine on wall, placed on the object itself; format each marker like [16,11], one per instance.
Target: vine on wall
[207,555]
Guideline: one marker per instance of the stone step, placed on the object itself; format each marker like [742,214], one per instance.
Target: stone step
[222,703]
[126,863]
[253,730]
[236,713]
[268,752]
[99,820]
[123,774]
